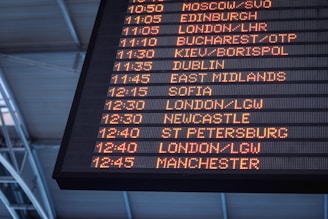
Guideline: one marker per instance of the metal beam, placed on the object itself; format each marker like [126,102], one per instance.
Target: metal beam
[32,62]
[20,149]
[13,103]
[24,187]
[69,23]
[7,179]
[325,206]
[51,205]
[224,206]
[22,207]
[127,205]
[8,142]
[72,30]
[31,160]
[5,201]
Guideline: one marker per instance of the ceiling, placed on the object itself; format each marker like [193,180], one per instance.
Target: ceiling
[42,46]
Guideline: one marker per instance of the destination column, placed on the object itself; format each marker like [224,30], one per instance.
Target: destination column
[198,73]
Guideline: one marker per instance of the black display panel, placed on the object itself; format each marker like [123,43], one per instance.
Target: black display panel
[201,96]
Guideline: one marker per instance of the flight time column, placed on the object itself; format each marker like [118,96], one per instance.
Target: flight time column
[128,88]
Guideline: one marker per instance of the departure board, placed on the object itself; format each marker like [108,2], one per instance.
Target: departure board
[201,96]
